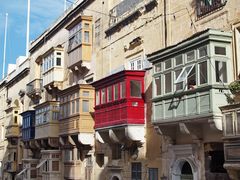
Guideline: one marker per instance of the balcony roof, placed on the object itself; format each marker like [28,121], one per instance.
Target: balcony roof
[119,76]
[45,104]
[194,40]
[73,88]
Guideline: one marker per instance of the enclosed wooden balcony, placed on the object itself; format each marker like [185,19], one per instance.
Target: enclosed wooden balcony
[34,88]
[119,108]
[12,131]
[80,43]
[76,104]
[47,115]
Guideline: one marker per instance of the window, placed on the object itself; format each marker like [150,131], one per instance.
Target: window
[68,155]
[153,173]
[190,56]
[168,64]
[203,72]
[136,171]
[168,82]
[221,71]
[220,50]
[116,92]
[55,165]
[75,36]
[58,61]
[85,106]
[97,98]
[86,37]
[122,90]
[103,96]
[86,93]
[158,67]
[135,88]
[205,7]
[116,151]
[178,60]
[98,31]
[136,63]
[184,74]
[229,124]
[109,94]
[179,85]
[158,85]
[203,51]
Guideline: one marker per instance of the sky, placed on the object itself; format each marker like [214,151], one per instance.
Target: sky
[43,13]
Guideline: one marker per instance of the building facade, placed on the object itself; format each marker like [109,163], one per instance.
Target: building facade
[125,89]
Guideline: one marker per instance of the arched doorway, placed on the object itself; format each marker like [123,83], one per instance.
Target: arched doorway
[115,178]
[186,171]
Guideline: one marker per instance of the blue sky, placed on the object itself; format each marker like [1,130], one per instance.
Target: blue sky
[43,13]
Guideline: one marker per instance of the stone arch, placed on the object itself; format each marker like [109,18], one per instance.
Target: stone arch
[180,165]
[116,177]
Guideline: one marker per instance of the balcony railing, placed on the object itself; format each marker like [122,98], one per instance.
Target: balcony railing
[34,87]
[206,7]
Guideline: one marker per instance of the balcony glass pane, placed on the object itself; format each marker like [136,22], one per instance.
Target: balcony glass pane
[178,60]
[116,92]
[221,71]
[109,94]
[123,90]
[103,96]
[203,72]
[168,64]
[168,82]
[97,97]
[229,124]
[135,88]
[158,85]
[179,85]
[85,106]
[203,51]
[190,56]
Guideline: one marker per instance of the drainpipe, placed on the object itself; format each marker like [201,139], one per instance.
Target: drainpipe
[165,22]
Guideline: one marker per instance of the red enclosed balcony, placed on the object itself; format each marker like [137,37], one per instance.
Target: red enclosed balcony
[119,100]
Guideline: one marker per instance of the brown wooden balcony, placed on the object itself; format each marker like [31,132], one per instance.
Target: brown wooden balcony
[76,106]
[12,131]
[47,115]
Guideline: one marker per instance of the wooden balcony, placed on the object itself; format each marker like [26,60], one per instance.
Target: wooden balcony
[121,100]
[12,131]
[47,115]
[76,107]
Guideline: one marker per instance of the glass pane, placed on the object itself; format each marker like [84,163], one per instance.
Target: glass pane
[73,107]
[116,93]
[168,82]
[110,95]
[203,72]
[168,64]
[158,85]
[97,98]
[86,36]
[203,51]
[190,56]
[220,50]
[85,104]
[86,93]
[58,61]
[191,79]
[179,85]
[103,96]
[158,67]
[221,71]
[77,105]
[229,124]
[135,88]
[123,89]
[178,60]
[184,74]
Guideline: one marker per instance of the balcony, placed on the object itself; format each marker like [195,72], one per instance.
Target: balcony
[28,125]
[34,88]
[80,43]
[12,131]
[76,106]
[46,125]
[208,7]
[119,108]
[186,87]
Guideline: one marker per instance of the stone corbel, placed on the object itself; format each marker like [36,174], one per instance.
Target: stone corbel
[192,130]
[215,123]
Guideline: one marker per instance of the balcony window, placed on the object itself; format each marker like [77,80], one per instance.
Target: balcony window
[221,71]
[75,36]
[158,85]
[58,61]
[153,173]
[85,106]
[178,86]
[136,63]
[86,37]
[205,7]
[103,96]
[158,68]
[116,92]
[203,72]
[135,88]
[202,51]
[109,94]
[190,56]
[229,124]
[220,50]
[168,82]
[68,155]
[97,97]
[136,171]
[168,64]
[98,31]
[187,73]
[122,90]
[178,60]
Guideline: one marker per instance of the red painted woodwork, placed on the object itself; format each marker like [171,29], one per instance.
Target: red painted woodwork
[124,110]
